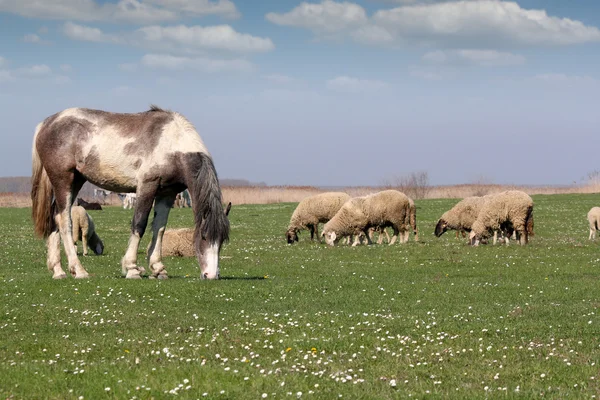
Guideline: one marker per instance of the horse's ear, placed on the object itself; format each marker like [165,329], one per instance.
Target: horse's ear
[227,209]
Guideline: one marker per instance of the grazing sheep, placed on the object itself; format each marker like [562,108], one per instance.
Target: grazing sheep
[383,209]
[460,217]
[84,228]
[180,242]
[593,217]
[88,206]
[313,210]
[411,224]
[505,212]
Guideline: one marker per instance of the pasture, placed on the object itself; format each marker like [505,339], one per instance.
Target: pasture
[434,319]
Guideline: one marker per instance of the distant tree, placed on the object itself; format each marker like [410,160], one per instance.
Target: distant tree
[415,185]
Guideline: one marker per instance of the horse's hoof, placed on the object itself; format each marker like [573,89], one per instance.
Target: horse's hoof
[83,275]
[133,274]
[59,276]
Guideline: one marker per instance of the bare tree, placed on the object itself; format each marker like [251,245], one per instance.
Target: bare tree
[415,185]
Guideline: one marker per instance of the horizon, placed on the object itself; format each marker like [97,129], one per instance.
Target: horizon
[323,93]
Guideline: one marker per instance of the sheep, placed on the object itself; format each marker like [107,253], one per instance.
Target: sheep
[130,200]
[506,211]
[593,217]
[411,224]
[180,242]
[83,226]
[382,209]
[88,206]
[460,217]
[313,210]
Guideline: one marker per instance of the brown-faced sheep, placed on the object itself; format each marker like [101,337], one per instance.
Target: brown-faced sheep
[313,210]
[506,211]
[84,228]
[180,242]
[383,209]
[593,217]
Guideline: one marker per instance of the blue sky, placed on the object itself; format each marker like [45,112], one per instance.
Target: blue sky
[323,93]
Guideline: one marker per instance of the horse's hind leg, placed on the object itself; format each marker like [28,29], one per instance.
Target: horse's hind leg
[53,260]
[142,209]
[162,207]
[65,191]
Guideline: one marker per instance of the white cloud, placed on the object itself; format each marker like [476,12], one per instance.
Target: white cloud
[482,21]
[165,61]
[225,8]
[66,68]
[484,58]
[128,67]
[88,34]
[34,71]
[458,23]
[349,84]
[327,17]
[31,38]
[221,37]
[128,11]
[132,11]
[564,79]
[5,76]
[279,79]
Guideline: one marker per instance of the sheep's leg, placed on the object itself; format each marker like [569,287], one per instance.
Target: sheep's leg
[495,237]
[84,239]
[162,207]
[523,236]
[311,228]
[395,235]
[592,234]
[356,241]
[317,232]
[380,238]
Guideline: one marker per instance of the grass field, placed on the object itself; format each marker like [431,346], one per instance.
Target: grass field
[432,319]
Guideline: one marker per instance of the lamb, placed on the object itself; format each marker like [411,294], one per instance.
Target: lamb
[460,217]
[506,211]
[180,242]
[382,209]
[313,210]
[594,219]
[83,226]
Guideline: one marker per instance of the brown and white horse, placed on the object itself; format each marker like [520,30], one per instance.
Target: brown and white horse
[155,154]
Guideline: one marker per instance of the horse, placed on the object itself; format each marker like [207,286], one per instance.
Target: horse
[154,154]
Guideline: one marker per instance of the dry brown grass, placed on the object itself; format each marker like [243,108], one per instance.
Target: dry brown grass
[294,194]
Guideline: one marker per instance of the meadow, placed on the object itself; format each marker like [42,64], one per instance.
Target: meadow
[429,319]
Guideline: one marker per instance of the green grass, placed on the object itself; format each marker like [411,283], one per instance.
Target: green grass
[440,318]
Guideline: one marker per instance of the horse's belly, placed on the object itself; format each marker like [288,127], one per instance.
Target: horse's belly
[108,174]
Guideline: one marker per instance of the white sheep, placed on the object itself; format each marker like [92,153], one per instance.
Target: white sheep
[382,209]
[179,242]
[460,217]
[411,224]
[313,210]
[84,228]
[593,217]
[506,212]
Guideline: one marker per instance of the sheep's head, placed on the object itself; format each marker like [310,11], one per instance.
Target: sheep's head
[292,236]
[330,238]
[96,244]
[441,227]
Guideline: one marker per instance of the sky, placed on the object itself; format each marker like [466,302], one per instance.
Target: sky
[327,93]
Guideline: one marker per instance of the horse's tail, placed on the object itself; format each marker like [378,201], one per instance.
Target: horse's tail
[211,222]
[41,194]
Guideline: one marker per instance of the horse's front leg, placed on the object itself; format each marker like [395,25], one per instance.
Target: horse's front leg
[162,207]
[138,226]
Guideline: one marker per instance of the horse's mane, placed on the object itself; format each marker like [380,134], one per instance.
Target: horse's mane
[155,108]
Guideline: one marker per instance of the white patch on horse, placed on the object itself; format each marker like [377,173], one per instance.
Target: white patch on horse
[211,271]
[181,132]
